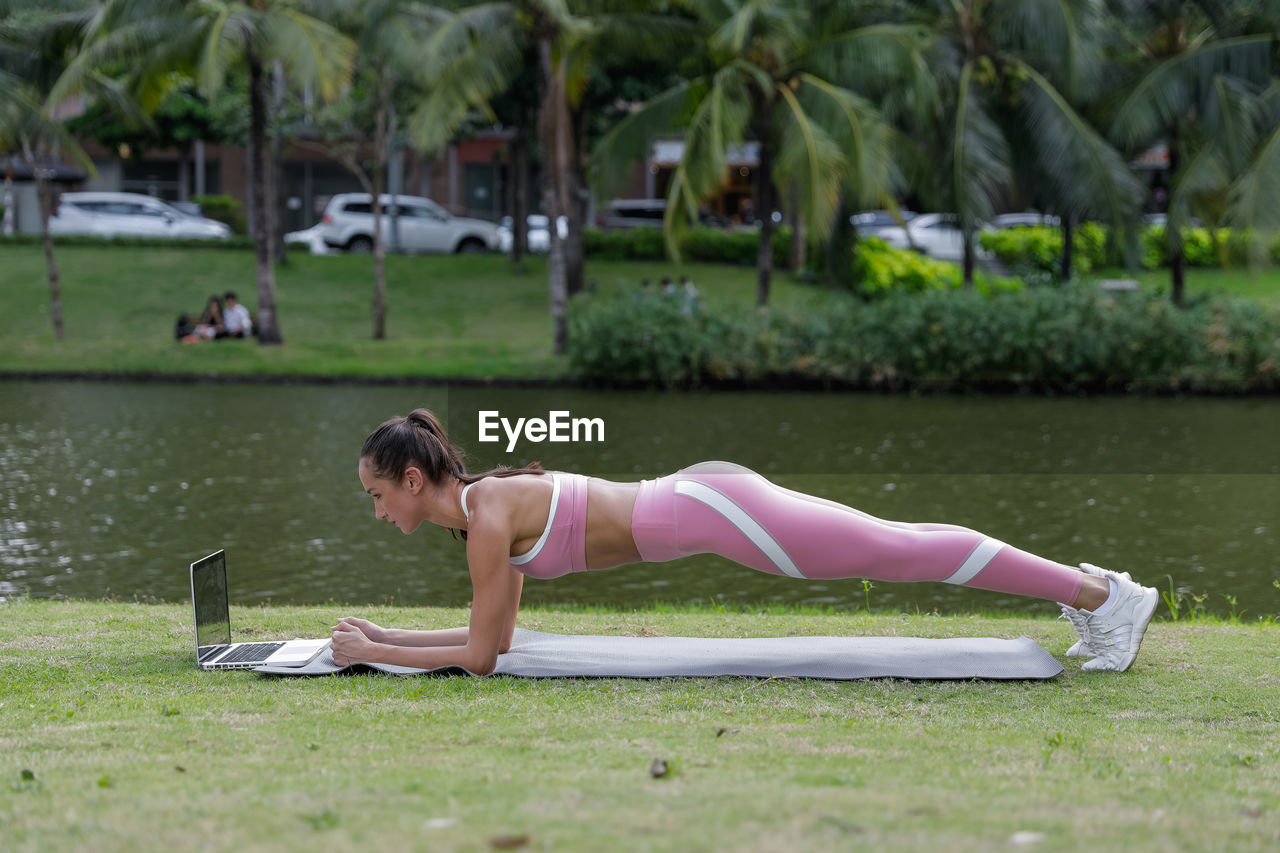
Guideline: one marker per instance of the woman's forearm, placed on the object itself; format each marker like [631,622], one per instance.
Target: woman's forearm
[439,637]
[433,657]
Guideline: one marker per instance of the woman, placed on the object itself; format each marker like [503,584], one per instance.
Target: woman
[528,521]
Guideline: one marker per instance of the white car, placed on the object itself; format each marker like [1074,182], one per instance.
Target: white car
[1026,219]
[871,222]
[539,234]
[108,214]
[936,235]
[423,225]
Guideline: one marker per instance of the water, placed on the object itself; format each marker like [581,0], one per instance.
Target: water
[112,489]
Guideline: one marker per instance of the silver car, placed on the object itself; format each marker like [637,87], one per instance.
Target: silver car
[423,226]
[108,214]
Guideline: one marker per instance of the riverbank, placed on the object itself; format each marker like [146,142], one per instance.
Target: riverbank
[470,319]
[111,740]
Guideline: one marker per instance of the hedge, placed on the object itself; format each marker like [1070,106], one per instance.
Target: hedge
[1040,248]
[1049,340]
[132,242]
[707,245]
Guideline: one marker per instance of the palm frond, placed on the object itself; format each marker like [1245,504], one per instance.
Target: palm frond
[312,50]
[862,136]
[980,171]
[1175,86]
[1252,197]
[630,139]
[1085,174]
[808,161]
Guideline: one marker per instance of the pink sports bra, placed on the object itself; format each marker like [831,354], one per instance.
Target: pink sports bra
[562,547]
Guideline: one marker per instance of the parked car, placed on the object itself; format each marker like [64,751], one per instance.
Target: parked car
[312,238]
[935,234]
[648,213]
[424,226]
[1026,219]
[871,222]
[539,234]
[109,214]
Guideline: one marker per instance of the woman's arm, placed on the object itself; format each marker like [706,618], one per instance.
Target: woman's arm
[496,594]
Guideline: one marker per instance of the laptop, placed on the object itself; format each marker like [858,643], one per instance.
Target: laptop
[214,649]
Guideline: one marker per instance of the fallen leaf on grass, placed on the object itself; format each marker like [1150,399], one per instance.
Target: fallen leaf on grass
[179,768]
[658,768]
[509,842]
[723,731]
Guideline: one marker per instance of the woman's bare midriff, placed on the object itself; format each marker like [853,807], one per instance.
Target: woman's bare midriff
[609,509]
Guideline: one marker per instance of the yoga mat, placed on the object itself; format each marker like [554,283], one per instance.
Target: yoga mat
[537,655]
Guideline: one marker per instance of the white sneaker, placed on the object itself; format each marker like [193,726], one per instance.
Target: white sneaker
[1079,619]
[1116,636]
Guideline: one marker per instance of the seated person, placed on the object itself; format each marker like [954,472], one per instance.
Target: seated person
[235,318]
[210,324]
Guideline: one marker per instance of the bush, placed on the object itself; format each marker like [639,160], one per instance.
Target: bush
[1040,248]
[708,245]
[226,209]
[237,243]
[1055,340]
[879,269]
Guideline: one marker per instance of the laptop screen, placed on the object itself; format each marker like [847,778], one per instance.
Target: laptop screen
[209,597]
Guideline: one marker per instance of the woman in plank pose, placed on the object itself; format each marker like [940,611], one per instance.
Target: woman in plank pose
[528,521]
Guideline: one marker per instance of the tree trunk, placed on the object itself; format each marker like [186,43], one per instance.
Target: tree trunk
[1178,265]
[276,186]
[551,121]
[799,256]
[44,196]
[1068,238]
[184,167]
[969,260]
[764,208]
[519,198]
[268,323]
[841,248]
[379,246]
[576,212]
[1177,255]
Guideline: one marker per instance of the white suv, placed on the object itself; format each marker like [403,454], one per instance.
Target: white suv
[424,226]
[105,214]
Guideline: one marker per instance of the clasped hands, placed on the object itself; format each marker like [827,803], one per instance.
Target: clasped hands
[353,640]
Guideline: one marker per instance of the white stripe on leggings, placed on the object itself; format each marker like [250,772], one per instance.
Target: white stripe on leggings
[977,560]
[741,519]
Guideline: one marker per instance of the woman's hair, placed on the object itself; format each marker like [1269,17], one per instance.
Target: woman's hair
[418,439]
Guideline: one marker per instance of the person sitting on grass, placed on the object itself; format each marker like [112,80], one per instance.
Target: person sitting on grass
[208,327]
[235,319]
[543,524]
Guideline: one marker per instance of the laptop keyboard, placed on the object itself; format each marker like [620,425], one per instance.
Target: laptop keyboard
[251,651]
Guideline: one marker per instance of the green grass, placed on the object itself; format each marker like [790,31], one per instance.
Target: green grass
[1262,284]
[111,740]
[470,316]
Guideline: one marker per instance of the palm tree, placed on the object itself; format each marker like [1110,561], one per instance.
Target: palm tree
[207,39]
[768,72]
[1204,82]
[360,129]
[34,51]
[1001,117]
[481,53]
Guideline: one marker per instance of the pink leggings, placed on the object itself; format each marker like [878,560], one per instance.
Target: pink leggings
[722,508]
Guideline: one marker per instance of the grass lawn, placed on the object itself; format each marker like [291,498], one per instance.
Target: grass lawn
[448,316]
[111,740]
[473,316]
[1262,284]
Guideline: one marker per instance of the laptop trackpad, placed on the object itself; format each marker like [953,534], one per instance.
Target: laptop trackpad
[298,653]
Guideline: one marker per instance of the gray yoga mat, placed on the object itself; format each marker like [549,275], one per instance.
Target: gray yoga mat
[537,655]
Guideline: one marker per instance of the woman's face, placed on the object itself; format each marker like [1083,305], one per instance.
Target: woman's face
[397,502]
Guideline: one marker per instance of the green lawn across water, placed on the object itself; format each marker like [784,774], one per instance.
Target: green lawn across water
[111,740]
[471,316]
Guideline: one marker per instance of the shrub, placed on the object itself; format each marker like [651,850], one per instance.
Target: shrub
[709,245]
[1058,340]
[1040,248]
[224,208]
[238,243]
[879,269]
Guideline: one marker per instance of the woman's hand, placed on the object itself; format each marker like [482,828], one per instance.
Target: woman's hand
[370,630]
[349,644]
